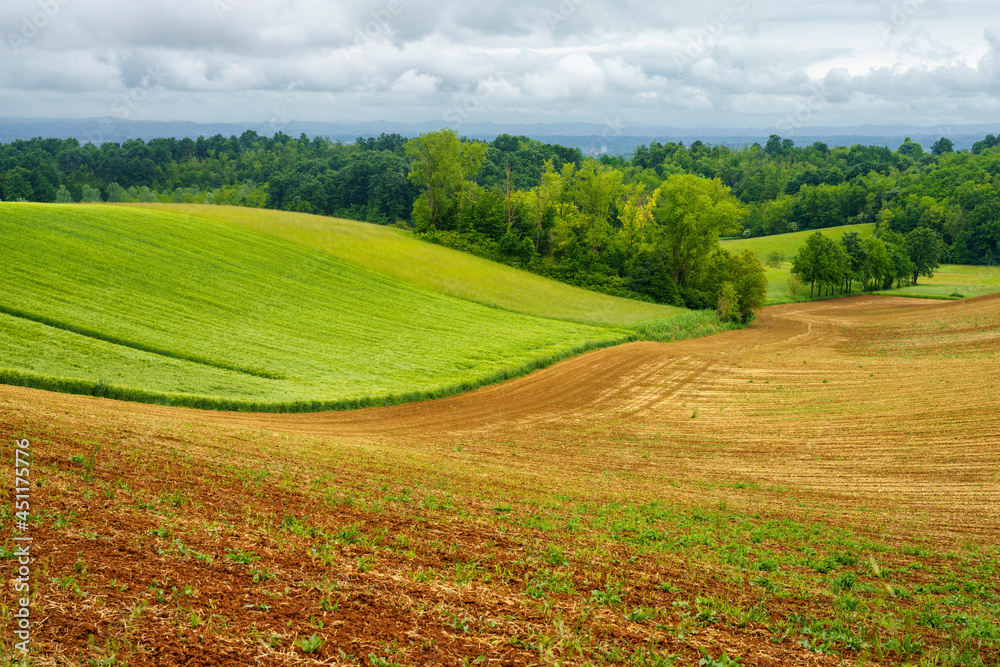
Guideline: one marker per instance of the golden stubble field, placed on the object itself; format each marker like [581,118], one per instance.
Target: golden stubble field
[619,507]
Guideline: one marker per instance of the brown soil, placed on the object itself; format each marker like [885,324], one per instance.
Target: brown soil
[817,410]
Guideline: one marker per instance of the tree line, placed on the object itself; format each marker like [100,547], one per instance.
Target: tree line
[876,262]
[594,223]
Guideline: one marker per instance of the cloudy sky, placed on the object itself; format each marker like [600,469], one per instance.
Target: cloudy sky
[713,63]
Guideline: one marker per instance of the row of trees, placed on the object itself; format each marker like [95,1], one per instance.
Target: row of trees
[585,225]
[597,224]
[784,187]
[875,262]
[366,180]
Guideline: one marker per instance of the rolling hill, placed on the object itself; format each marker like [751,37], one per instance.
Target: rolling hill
[397,253]
[157,306]
[788,244]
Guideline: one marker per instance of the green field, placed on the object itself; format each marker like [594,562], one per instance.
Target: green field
[788,244]
[397,253]
[163,307]
[949,280]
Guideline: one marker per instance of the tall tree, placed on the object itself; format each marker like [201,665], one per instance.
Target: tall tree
[691,213]
[810,262]
[924,248]
[545,194]
[635,209]
[442,165]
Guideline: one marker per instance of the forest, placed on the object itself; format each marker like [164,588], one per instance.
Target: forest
[644,226]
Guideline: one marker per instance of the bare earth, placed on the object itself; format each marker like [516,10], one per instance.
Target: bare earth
[877,414]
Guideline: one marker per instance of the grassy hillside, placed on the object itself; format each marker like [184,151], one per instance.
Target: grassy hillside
[394,252]
[949,281]
[163,307]
[788,244]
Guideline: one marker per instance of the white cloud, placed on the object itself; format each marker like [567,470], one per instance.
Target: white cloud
[729,62]
[414,84]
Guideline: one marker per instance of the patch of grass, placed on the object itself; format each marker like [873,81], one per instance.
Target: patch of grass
[166,308]
[788,244]
[379,248]
[689,324]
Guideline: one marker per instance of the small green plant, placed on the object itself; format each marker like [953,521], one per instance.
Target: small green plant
[722,661]
[310,644]
[242,557]
[350,534]
[668,587]
[555,556]
[845,581]
[457,623]
[87,463]
[609,596]
[640,615]
[174,499]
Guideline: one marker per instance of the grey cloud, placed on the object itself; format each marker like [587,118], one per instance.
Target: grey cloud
[717,62]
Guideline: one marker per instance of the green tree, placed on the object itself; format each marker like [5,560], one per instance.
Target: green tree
[878,268]
[810,261]
[635,210]
[545,194]
[942,146]
[775,259]
[116,193]
[63,196]
[691,213]
[90,194]
[16,184]
[442,165]
[924,248]
[728,309]
[596,187]
[747,275]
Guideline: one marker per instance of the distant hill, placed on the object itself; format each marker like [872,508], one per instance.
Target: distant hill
[612,138]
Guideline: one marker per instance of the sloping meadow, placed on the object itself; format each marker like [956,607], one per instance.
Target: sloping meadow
[166,308]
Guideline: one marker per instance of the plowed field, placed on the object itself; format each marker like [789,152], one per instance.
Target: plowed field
[804,491]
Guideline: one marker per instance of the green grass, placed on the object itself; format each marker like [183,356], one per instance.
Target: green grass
[397,253]
[690,324]
[162,307]
[788,244]
[948,280]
